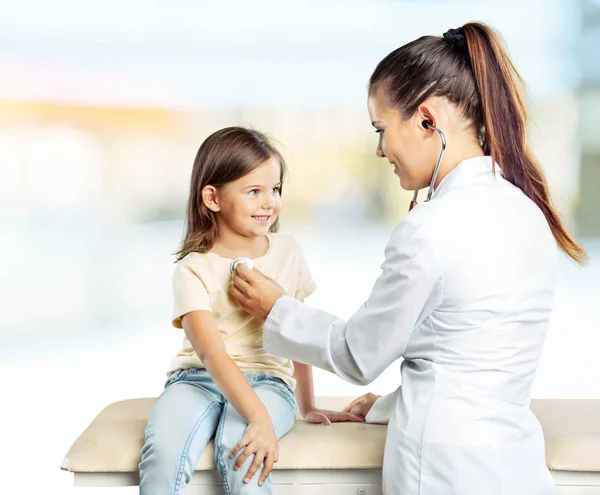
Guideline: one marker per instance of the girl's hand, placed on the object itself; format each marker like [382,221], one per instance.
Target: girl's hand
[260,440]
[361,406]
[254,291]
[326,417]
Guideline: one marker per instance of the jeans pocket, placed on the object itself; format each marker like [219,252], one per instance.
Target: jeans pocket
[175,377]
[284,391]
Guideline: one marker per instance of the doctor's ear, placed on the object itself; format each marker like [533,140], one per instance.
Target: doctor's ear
[427,116]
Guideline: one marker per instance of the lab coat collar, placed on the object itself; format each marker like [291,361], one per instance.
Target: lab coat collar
[465,170]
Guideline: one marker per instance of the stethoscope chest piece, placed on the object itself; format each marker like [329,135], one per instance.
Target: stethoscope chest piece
[244,261]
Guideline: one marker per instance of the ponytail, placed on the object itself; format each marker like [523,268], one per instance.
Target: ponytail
[505,125]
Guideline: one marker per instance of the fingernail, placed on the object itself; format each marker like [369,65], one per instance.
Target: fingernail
[246,480]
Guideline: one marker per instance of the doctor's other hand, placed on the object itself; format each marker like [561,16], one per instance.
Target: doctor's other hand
[360,407]
[326,417]
[254,291]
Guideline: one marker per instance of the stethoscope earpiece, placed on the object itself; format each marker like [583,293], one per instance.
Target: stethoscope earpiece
[427,124]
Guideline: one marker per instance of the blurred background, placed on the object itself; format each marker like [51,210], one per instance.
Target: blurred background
[102,108]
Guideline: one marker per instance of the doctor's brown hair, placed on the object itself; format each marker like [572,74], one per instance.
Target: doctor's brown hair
[470,68]
[225,156]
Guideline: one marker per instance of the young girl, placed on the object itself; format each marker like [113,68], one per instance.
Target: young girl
[223,383]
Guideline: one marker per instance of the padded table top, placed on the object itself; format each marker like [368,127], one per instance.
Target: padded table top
[112,442]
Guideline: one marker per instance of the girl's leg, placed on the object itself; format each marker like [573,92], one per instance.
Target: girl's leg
[181,423]
[280,402]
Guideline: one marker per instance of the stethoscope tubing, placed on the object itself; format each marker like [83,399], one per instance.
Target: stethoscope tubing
[436,170]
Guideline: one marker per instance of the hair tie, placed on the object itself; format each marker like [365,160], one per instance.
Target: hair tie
[456,38]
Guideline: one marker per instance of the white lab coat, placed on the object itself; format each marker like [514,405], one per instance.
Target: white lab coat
[464,296]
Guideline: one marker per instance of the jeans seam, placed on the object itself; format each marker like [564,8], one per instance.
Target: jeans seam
[219,450]
[186,447]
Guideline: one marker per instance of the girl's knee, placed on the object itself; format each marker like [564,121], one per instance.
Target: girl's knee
[228,435]
[160,469]
[160,454]
[234,484]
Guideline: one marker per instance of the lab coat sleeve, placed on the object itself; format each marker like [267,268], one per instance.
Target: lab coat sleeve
[383,408]
[407,290]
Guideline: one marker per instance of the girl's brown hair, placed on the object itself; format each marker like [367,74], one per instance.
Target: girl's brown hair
[470,68]
[225,156]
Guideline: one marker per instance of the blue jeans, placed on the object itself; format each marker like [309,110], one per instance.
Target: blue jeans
[188,413]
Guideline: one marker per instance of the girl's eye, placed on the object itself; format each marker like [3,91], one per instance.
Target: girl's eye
[253,192]
[277,189]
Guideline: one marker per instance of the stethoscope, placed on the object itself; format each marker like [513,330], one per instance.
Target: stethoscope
[243,260]
[428,125]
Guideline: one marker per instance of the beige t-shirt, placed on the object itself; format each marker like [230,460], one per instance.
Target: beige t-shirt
[202,282]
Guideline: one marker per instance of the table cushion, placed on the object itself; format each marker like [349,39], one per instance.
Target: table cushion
[572,433]
[113,440]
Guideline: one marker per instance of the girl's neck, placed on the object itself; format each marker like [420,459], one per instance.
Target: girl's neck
[231,245]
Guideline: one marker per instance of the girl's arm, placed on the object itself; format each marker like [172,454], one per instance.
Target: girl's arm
[306,400]
[206,340]
[260,438]
[304,388]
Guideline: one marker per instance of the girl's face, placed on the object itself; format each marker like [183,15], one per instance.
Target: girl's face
[250,205]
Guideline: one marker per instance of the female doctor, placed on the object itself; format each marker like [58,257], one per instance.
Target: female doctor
[466,288]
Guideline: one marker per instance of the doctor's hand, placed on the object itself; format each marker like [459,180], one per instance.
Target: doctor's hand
[361,406]
[254,291]
[326,417]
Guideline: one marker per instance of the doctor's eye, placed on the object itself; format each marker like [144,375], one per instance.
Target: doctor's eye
[379,131]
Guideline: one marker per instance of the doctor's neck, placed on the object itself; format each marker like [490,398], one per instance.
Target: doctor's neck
[461,146]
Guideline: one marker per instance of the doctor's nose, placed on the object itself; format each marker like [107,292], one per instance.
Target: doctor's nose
[379,152]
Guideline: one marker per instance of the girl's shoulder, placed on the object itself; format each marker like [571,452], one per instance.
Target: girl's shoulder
[285,246]
[283,242]
[194,262]
[191,259]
